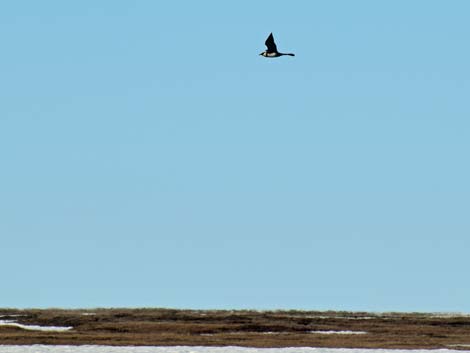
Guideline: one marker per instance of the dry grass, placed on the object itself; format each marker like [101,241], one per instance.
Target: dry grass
[165,327]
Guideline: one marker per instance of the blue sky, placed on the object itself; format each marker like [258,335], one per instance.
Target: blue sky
[150,157]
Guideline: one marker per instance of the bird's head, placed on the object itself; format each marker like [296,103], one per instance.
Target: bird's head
[263,53]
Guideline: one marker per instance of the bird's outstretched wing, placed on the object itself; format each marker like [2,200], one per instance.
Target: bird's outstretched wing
[270,44]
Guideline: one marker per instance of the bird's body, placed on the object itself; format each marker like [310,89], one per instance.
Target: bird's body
[271,51]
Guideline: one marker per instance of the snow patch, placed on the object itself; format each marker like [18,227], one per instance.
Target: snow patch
[12,315]
[34,327]
[449,315]
[290,332]
[340,332]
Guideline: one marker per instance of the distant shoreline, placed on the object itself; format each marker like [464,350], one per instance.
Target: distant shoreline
[244,328]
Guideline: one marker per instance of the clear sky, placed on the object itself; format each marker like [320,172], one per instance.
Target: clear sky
[150,157]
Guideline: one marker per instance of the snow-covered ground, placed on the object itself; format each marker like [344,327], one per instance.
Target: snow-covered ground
[108,349]
[289,332]
[340,332]
[34,327]
[11,315]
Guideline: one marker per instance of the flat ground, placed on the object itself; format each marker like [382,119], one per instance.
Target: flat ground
[167,327]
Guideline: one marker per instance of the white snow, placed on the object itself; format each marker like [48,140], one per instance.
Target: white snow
[292,332]
[340,332]
[343,317]
[12,315]
[183,349]
[34,327]
[450,315]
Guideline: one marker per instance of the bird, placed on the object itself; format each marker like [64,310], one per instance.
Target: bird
[272,52]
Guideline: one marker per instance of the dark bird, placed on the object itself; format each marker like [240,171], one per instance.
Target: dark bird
[272,52]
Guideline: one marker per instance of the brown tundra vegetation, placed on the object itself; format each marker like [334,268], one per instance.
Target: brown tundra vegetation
[248,328]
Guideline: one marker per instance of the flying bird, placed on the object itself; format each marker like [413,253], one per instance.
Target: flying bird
[272,52]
